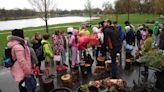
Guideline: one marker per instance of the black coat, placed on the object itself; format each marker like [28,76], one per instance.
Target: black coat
[114,36]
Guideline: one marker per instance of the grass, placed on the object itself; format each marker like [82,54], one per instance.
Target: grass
[135,19]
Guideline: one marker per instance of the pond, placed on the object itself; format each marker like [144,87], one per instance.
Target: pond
[23,23]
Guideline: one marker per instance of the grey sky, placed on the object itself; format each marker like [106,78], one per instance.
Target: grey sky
[61,4]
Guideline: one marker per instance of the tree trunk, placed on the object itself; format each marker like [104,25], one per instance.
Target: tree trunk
[128,16]
[46,16]
[46,25]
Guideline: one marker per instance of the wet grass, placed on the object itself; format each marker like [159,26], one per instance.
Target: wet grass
[135,19]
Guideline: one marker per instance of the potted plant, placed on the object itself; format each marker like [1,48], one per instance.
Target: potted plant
[155,59]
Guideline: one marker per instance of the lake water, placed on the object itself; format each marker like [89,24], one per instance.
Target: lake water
[23,23]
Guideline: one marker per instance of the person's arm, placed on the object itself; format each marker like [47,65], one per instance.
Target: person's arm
[147,46]
[47,50]
[34,59]
[20,56]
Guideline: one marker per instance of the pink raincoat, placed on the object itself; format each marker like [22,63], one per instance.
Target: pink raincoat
[22,67]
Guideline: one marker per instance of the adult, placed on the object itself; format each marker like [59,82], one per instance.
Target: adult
[161,42]
[37,46]
[112,33]
[156,33]
[21,53]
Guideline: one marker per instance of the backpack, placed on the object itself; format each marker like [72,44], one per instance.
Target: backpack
[130,36]
[39,53]
[7,59]
[94,40]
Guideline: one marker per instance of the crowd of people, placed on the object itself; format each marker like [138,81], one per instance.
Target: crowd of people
[107,37]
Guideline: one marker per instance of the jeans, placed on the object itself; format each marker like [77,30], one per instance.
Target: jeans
[21,88]
[63,57]
[155,40]
[114,52]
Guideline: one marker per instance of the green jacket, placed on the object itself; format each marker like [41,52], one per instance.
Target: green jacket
[147,45]
[48,52]
[156,28]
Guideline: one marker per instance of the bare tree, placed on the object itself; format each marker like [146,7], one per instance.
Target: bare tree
[107,8]
[88,8]
[44,7]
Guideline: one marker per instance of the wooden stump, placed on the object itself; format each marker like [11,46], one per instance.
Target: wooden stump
[101,61]
[67,80]
[128,64]
[48,84]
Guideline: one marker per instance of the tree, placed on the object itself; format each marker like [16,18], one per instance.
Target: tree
[159,6]
[88,8]
[44,7]
[107,8]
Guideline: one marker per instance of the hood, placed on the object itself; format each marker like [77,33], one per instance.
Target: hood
[119,27]
[156,23]
[14,40]
[75,31]
[44,41]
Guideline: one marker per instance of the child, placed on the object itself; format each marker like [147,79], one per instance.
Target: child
[64,38]
[57,44]
[73,42]
[48,53]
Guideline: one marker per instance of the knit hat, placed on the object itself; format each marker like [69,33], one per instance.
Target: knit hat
[18,32]
[70,29]
[95,30]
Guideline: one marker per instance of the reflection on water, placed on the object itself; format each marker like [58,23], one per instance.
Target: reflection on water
[12,24]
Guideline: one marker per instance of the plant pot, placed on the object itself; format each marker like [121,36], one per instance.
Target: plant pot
[159,79]
[128,64]
[101,61]
[91,89]
[88,68]
[63,89]
[83,69]
[47,84]
[67,80]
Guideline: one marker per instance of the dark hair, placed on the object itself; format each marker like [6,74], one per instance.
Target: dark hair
[46,36]
[18,32]
[150,31]
[57,32]
[115,22]
[101,23]
[127,23]
[109,21]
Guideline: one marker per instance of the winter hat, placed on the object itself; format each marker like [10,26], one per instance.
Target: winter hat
[127,28]
[95,30]
[18,32]
[70,29]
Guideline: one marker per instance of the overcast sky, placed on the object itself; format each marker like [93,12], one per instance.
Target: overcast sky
[61,4]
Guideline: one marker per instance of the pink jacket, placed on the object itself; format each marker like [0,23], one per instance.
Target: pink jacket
[72,40]
[22,66]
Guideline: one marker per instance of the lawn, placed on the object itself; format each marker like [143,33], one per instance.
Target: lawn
[135,19]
